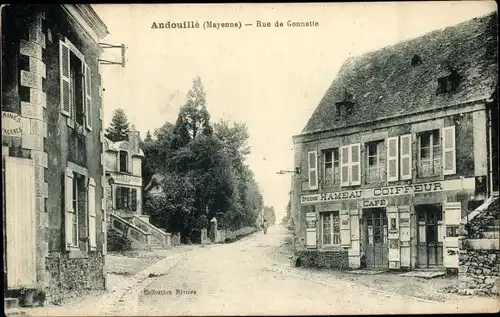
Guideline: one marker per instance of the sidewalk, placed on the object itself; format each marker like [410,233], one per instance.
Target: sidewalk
[126,272]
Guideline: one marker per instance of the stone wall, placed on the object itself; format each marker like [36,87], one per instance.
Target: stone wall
[74,276]
[479,272]
[176,239]
[480,223]
[321,259]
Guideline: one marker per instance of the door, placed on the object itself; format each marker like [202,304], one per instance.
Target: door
[430,237]
[375,238]
[20,223]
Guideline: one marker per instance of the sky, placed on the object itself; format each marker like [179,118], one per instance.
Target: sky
[272,79]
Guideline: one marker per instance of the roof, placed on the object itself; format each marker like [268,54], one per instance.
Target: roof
[384,83]
[116,146]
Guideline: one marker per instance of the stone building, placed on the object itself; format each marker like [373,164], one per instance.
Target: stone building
[124,207]
[123,165]
[54,241]
[402,146]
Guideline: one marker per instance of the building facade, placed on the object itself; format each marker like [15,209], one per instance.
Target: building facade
[123,165]
[53,211]
[402,146]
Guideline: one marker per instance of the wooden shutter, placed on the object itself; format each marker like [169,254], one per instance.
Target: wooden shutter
[118,197]
[68,208]
[133,199]
[449,152]
[92,215]
[64,74]
[87,98]
[452,217]
[405,159]
[311,232]
[344,166]
[312,159]
[355,164]
[345,228]
[392,159]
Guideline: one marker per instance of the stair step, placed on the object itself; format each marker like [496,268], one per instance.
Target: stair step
[11,302]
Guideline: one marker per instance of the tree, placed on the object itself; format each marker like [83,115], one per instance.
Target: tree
[119,126]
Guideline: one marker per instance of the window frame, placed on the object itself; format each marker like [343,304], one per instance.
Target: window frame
[432,151]
[334,220]
[335,163]
[376,144]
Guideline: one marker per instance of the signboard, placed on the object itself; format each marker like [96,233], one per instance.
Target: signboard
[11,124]
[373,203]
[127,179]
[390,191]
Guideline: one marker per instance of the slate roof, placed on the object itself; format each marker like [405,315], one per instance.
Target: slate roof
[384,84]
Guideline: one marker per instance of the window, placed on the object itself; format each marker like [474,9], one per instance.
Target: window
[123,161]
[126,198]
[332,167]
[79,209]
[330,224]
[77,103]
[449,83]
[430,158]
[374,161]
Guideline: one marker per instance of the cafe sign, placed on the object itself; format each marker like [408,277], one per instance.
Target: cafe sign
[127,180]
[11,124]
[383,192]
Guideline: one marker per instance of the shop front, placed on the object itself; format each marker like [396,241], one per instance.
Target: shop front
[394,227]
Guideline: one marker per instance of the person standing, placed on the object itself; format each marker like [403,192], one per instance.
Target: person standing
[264,225]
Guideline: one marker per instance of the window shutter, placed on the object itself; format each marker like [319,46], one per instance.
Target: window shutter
[133,199]
[118,198]
[64,70]
[405,159]
[345,228]
[344,166]
[68,208]
[311,235]
[392,159]
[313,169]
[92,215]
[355,164]
[88,94]
[449,153]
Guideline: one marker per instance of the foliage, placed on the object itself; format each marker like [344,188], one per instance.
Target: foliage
[201,170]
[119,126]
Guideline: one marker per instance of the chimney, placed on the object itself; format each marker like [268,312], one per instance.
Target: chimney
[133,139]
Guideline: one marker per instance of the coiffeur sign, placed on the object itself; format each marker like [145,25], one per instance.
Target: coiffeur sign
[381,192]
[11,124]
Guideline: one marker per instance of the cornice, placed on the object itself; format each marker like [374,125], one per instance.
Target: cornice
[88,20]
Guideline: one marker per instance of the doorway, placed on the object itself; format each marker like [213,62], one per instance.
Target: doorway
[430,235]
[375,238]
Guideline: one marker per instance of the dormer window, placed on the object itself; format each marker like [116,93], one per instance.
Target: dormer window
[449,83]
[416,60]
[347,104]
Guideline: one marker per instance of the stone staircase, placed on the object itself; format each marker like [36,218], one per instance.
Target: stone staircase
[139,232]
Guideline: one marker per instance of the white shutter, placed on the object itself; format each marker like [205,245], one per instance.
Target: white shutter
[355,164]
[312,159]
[449,152]
[405,159]
[68,208]
[345,228]
[64,74]
[92,215]
[392,159]
[311,235]
[88,94]
[344,166]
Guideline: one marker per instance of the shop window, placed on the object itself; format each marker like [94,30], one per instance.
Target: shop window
[374,161]
[430,156]
[126,198]
[332,167]
[330,224]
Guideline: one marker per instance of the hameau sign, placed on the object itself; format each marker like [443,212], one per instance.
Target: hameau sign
[412,189]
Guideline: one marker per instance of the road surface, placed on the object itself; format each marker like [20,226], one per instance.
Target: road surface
[248,277]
